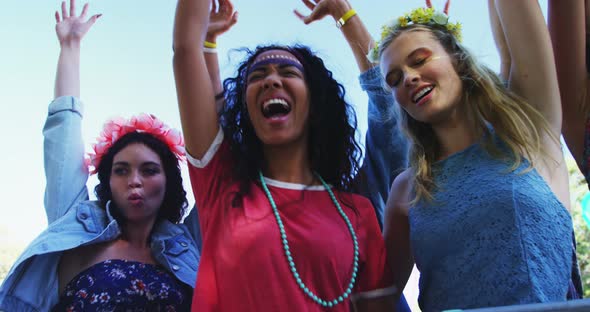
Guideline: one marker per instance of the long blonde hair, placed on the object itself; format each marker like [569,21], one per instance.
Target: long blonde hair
[485,99]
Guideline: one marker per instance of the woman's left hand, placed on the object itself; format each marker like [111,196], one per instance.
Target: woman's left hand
[70,29]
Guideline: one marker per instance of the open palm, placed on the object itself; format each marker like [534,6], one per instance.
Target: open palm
[72,28]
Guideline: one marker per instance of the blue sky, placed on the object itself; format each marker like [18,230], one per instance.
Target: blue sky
[126,69]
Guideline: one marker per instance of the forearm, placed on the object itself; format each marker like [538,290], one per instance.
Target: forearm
[67,78]
[568,36]
[212,62]
[532,70]
[190,24]
[567,31]
[500,40]
[357,36]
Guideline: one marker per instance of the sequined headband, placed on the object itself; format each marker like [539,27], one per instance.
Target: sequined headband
[280,59]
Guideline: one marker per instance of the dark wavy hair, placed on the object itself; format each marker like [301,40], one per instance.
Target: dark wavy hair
[333,151]
[175,203]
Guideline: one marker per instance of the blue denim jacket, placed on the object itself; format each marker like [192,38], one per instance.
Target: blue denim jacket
[32,283]
[386,148]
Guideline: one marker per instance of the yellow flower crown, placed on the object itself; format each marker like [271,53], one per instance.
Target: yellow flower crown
[424,16]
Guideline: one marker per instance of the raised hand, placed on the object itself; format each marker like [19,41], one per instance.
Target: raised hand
[221,18]
[71,28]
[322,8]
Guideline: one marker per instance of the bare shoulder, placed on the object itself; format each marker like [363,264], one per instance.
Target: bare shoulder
[400,193]
[74,261]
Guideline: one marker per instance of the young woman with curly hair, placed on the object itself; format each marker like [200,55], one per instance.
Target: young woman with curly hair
[271,175]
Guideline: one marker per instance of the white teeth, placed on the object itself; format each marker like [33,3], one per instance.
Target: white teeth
[275,101]
[422,93]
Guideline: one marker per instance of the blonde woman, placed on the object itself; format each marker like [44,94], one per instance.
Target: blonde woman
[482,210]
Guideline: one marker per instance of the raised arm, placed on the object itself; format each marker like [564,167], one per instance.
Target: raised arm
[532,71]
[500,41]
[354,30]
[533,77]
[386,148]
[568,34]
[65,171]
[196,99]
[221,19]
[70,30]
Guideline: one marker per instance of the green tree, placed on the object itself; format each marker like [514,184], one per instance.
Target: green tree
[579,189]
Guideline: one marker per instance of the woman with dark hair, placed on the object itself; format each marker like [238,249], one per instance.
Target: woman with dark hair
[482,210]
[270,177]
[127,250]
[331,149]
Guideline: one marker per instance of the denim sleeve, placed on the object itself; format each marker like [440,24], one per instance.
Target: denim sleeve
[194,227]
[386,148]
[63,152]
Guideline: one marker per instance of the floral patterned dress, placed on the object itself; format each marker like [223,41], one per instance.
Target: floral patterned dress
[122,285]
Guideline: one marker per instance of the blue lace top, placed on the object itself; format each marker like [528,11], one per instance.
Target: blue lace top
[121,285]
[491,237]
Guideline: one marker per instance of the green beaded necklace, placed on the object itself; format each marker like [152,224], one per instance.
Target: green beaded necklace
[309,293]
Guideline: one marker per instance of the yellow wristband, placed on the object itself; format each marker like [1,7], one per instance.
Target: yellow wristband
[345,18]
[210,45]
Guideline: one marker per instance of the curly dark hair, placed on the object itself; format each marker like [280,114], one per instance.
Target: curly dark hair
[175,203]
[333,151]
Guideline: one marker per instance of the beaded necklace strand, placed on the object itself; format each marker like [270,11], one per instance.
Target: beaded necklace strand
[304,288]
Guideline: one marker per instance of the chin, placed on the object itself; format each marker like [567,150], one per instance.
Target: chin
[276,141]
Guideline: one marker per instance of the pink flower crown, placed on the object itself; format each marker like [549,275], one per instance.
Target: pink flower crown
[117,127]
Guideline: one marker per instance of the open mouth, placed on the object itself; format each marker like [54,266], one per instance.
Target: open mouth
[275,108]
[422,93]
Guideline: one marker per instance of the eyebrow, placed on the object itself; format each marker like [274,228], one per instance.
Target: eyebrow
[416,51]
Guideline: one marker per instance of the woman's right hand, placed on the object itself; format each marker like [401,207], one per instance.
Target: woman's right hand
[70,29]
[322,8]
[220,19]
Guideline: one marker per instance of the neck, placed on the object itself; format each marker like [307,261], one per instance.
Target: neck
[288,164]
[454,136]
[137,234]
